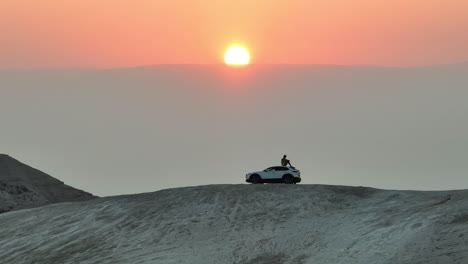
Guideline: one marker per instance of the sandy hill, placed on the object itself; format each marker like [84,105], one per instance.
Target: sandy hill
[245,224]
[24,187]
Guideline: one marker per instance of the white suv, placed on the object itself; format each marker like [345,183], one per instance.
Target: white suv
[277,174]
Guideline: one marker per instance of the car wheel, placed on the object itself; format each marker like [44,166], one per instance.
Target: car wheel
[288,179]
[255,179]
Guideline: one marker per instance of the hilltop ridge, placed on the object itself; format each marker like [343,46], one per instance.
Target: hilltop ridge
[245,224]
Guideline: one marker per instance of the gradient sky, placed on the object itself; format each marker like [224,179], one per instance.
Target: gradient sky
[110,33]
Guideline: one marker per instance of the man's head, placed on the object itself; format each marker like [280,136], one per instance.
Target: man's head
[284,156]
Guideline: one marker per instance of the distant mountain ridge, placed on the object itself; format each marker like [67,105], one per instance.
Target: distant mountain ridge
[22,186]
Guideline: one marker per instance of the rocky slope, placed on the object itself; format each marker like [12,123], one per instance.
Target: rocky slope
[245,224]
[24,187]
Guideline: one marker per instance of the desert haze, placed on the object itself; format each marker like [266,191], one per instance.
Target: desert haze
[142,129]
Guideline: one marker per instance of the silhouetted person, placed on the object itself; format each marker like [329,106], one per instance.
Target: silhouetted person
[285,161]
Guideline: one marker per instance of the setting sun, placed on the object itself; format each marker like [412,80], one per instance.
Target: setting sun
[237,56]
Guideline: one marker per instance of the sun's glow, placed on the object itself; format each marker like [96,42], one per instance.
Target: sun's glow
[237,56]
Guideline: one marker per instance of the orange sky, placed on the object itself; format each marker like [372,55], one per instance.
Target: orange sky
[120,33]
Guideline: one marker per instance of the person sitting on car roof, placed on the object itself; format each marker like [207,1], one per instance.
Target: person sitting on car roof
[285,161]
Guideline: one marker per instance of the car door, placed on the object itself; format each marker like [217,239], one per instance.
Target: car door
[269,173]
[279,172]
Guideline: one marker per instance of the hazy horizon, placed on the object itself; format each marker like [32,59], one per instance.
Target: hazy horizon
[462,62]
[132,130]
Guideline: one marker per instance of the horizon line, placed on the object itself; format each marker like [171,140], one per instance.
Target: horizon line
[224,65]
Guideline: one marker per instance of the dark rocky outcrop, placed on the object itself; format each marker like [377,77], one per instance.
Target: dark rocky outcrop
[22,186]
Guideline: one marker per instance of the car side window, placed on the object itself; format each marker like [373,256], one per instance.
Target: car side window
[281,169]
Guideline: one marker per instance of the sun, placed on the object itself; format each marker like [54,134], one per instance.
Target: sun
[237,56]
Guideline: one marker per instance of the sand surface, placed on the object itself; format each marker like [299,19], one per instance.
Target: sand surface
[244,224]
